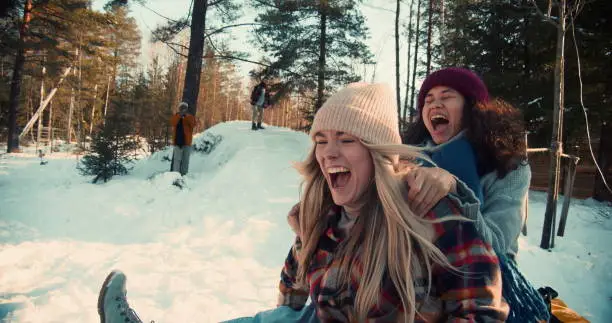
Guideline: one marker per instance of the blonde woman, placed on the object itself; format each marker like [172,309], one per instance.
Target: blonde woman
[362,255]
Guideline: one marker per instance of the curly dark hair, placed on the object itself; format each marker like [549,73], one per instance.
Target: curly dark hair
[496,131]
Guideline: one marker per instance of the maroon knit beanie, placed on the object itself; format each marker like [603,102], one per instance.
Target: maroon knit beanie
[461,80]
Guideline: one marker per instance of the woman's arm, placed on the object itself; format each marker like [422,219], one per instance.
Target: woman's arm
[500,219]
[291,294]
[427,186]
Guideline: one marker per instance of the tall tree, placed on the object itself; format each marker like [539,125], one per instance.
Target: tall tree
[122,42]
[13,136]
[429,35]
[557,136]
[414,64]
[397,58]
[311,44]
[407,103]
[194,57]
[226,11]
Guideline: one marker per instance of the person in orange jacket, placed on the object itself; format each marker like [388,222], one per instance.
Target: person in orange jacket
[182,124]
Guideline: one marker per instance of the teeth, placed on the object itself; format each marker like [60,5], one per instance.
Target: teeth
[438,116]
[334,170]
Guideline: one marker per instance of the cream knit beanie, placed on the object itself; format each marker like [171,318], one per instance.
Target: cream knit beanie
[367,111]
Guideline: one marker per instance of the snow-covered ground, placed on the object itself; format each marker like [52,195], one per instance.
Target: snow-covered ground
[213,250]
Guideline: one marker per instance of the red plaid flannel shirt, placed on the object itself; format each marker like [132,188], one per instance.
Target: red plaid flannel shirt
[471,297]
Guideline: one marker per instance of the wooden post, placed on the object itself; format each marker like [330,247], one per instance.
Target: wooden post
[556,144]
[570,175]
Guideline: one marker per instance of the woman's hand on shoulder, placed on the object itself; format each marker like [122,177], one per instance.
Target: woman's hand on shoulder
[427,186]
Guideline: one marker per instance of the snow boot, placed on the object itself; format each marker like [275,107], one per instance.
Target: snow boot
[259,126]
[112,301]
[254,126]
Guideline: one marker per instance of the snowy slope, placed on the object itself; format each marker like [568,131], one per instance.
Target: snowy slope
[213,250]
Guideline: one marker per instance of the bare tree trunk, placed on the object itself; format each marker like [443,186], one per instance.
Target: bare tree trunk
[442,31]
[214,106]
[322,53]
[410,30]
[556,144]
[285,112]
[30,112]
[70,112]
[414,64]
[50,127]
[194,56]
[397,63]
[228,111]
[93,110]
[429,27]
[42,99]
[79,107]
[13,136]
[106,99]
[526,36]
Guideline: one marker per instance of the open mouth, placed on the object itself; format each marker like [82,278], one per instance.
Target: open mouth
[339,176]
[438,120]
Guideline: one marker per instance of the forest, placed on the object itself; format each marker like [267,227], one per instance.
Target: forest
[68,71]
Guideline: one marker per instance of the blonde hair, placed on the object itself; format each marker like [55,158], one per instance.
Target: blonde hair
[401,246]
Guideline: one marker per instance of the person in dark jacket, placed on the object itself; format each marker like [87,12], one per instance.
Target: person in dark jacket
[182,124]
[260,99]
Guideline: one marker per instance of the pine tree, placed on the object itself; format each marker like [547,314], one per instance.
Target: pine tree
[113,148]
[155,113]
[311,44]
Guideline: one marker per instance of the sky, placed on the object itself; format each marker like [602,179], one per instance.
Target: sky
[379,14]
[213,250]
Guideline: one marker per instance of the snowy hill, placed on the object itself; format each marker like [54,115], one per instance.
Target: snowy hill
[213,250]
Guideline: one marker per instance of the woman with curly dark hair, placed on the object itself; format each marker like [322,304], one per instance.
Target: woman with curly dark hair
[479,147]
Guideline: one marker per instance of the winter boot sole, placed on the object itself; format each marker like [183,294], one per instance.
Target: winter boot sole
[102,294]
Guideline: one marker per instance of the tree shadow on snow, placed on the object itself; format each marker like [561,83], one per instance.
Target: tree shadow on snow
[7,309]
